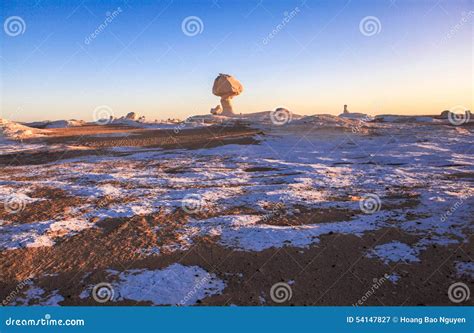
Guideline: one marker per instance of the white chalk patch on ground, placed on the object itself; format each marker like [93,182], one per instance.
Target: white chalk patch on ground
[25,235]
[37,296]
[68,227]
[173,285]
[394,277]
[123,210]
[465,269]
[53,299]
[317,171]
[110,190]
[13,198]
[39,234]
[394,252]
[150,251]
[242,232]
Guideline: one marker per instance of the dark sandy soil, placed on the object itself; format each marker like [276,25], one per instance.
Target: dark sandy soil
[333,270]
[91,143]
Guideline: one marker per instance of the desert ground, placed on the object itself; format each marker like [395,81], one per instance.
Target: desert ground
[317,211]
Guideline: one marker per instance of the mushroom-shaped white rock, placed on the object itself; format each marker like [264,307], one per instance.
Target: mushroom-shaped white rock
[227,87]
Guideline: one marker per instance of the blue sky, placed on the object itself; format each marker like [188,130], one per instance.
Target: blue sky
[419,62]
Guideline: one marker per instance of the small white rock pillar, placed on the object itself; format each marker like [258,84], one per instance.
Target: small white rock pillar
[217,110]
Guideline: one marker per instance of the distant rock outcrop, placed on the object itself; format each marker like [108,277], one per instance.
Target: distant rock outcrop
[353,115]
[56,124]
[448,114]
[10,130]
[65,123]
[227,87]
[282,110]
[331,122]
[445,114]
[390,118]
[131,116]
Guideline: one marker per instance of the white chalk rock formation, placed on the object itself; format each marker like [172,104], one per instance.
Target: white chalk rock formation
[10,130]
[217,110]
[353,115]
[131,116]
[227,87]
[345,109]
[445,114]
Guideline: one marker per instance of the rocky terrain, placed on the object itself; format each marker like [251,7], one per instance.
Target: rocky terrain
[267,209]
